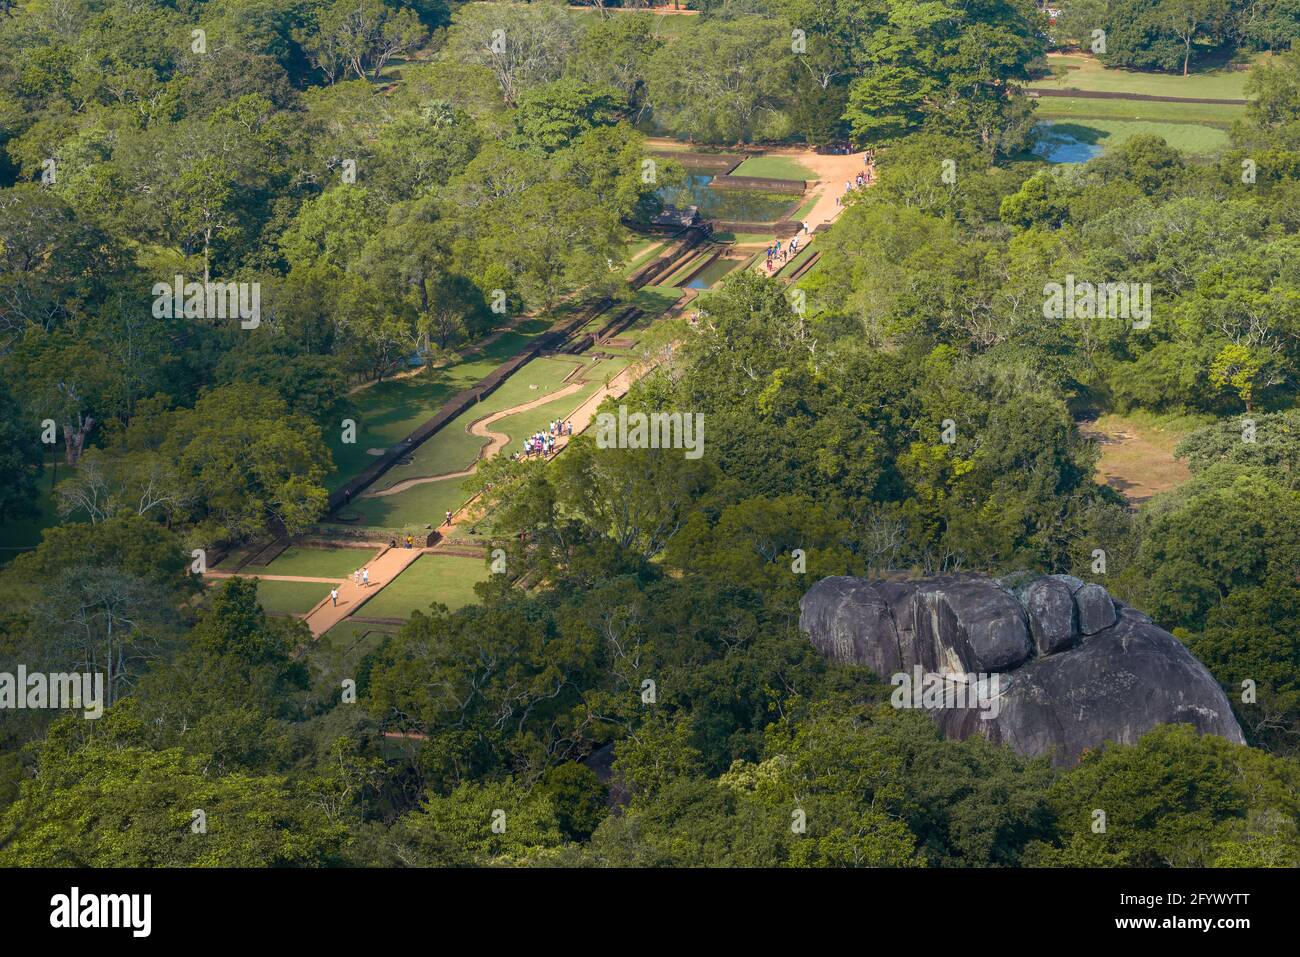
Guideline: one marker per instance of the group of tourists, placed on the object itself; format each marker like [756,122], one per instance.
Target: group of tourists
[543,443]
[865,178]
[778,253]
[360,578]
[408,542]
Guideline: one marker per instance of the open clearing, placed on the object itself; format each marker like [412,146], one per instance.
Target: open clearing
[1137,454]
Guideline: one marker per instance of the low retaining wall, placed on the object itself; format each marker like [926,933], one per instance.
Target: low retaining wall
[712,162]
[759,183]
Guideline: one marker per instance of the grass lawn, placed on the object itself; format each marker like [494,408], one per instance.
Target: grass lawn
[319,562]
[448,579]
[290,598]
[1147,111]
[1087,73]
[656,300]
[536,420]
[19,536]
[388,411]
[774,167]
[452,448]
[806,208]
[428,502]
[642,254]
[1189,138]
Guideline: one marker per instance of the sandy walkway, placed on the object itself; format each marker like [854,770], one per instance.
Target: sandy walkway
[390,563]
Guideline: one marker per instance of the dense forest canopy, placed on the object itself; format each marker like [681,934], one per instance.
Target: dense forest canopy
[409,178]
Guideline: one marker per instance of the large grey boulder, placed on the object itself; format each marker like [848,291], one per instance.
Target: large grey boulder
[1070,667]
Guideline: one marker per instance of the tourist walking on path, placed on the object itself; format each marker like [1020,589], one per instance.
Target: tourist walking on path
[334,596]
[365,578]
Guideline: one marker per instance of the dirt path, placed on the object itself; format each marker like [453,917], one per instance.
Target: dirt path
[482,428]
[833,171]
[386,566]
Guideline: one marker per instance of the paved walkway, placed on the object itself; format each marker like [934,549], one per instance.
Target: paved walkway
[390,563]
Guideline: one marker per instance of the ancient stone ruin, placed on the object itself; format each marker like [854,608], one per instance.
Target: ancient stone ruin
[1070,667]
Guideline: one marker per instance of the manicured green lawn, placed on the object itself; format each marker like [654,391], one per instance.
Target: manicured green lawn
[290,598]
[725,237]
[656,300]
[319,562]
[774,167]
[424,504]
[1187,137]
[1146,111]
[1087,73]
[449,579]
[388,411]
[641,254]
[453,448]
[536,420]
[428,502]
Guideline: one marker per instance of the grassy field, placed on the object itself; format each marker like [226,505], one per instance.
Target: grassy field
[1086,73]
[428,502]
[800,257]
[290,598]
[656,300]
[774,167]
[318,562]
[742,238]
[449,579]
[641,254]
[1146,111]
[1191,138]
[453,448]
[388,411]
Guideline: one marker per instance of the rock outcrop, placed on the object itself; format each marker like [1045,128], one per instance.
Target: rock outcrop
[1070,667]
